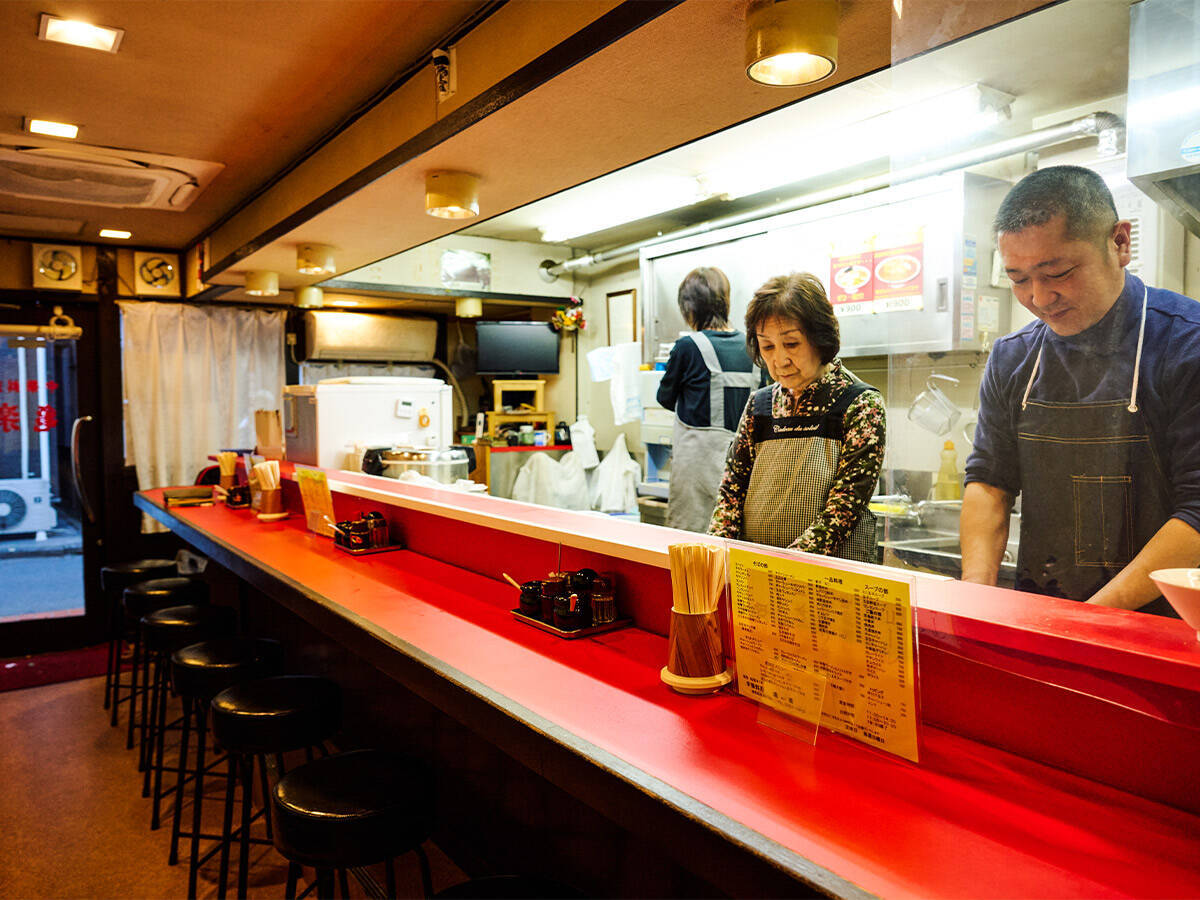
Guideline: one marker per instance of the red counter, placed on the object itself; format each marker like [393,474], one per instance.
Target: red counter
[971,820]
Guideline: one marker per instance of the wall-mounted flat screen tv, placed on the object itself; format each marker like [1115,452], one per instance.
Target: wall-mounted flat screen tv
[516,348]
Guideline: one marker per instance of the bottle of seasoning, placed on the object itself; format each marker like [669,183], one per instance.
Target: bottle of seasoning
[531,599]
[358,534]
[554,587]
[570,612]
[378,527]
[604,607]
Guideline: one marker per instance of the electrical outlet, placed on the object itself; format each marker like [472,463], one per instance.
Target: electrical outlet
[290,337]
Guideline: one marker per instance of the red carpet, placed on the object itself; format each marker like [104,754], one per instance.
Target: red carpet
[50,668]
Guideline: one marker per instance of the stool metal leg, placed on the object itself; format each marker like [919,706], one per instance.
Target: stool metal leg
[188,709]
[157,742]
[197,796]
[389,869]
[133,686]
[293,877]
[144,723]
[247,778]
[227,827]
[266,787]
[426,875]
[344,884]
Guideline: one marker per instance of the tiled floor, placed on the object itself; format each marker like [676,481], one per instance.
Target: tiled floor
[73,823]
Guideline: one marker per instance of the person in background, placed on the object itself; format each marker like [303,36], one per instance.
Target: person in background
[1091,413]
[707,382]
[809,448]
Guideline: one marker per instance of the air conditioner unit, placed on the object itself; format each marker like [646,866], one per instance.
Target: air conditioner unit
[25,506]
[363,336]
[100,176]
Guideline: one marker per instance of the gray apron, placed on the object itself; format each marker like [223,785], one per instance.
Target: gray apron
[698,453]
[1094,492]
[795,462]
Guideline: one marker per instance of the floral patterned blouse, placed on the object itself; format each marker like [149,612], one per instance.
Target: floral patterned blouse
[857,469]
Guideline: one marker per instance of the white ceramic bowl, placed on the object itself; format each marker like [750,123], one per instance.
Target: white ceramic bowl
[1181,587]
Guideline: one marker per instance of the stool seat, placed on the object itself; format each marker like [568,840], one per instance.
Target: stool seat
[172,627]
[353,809]
[274,715]
[205,669]
[146,596]
[119,576]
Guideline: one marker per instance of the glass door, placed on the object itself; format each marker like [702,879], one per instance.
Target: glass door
[49,528]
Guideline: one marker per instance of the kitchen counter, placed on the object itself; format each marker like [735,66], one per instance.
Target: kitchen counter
[745,807]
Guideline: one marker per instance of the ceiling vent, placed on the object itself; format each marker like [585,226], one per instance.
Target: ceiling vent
[99,176]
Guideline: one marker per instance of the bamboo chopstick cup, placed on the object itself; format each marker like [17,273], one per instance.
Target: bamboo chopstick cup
[695,657]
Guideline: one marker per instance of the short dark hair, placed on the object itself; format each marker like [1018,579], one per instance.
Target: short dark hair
[801,298]
[704,297]
[1079,195]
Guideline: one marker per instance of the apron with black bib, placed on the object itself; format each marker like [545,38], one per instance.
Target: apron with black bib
[698,453]
[795,462]
[1094,492]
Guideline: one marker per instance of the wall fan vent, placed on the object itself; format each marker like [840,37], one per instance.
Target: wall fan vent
[99,176]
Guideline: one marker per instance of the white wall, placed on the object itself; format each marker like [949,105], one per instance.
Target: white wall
[593,396]
[514,265]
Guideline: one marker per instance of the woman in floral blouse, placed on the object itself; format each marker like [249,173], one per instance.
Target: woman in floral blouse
[809,448]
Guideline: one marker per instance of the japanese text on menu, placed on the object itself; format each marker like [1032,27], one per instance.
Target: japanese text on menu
[793,620]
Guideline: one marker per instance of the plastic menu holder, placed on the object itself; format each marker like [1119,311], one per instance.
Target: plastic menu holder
[318,503]
[831,644]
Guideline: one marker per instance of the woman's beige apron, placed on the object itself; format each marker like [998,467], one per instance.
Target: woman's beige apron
[795,462]
[698,454]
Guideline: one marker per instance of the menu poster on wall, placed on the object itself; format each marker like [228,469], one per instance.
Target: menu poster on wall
[851,284]
[899,282]
[796,623]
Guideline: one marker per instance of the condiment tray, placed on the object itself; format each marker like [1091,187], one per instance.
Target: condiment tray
[366,551]
[571,635]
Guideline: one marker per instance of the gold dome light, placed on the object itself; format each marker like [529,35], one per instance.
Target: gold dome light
[452,195]
[791,42]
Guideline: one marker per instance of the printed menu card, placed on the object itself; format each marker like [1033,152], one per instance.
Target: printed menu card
[826,644]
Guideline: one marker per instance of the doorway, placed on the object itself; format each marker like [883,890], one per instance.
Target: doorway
[50,528]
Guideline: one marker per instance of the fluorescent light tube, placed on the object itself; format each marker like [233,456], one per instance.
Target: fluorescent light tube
[53,129]
[79,33]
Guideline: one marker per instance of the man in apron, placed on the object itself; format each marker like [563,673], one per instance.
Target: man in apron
[1091,413]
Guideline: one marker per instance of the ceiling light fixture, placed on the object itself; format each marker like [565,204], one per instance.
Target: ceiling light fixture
[262,283]
[452,195]
[468,307]
[315,259]
[115,233]
[79,34]
[791,42]
[52,129]
[309,297]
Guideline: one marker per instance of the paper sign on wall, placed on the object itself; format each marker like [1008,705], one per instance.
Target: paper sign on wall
[796,625]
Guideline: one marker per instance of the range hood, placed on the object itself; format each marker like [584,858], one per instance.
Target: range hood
[1163,115]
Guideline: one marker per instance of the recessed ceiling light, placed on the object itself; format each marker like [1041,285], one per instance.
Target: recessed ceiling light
[116,233]
[53,129]
[80,34]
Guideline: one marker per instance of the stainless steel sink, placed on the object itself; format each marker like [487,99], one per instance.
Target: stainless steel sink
[941,554]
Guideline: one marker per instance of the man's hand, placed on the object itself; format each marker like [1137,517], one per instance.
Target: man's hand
[983,531]
[1175,545]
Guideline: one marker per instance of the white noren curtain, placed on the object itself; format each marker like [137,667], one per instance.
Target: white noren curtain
[193,376]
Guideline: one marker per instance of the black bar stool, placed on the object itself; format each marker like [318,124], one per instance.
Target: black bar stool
[199,672]
[164,631]
[138,600]
[250,720]
[113,581]
[353,809]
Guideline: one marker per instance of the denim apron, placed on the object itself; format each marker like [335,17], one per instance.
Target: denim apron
[795,463]
[698,453]
[1094,490]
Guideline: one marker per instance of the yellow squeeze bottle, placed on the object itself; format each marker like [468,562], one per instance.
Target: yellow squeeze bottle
[948,485]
